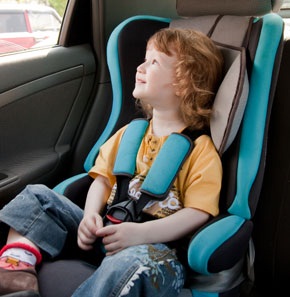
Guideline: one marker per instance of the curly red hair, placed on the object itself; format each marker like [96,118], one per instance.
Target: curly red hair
[198,72]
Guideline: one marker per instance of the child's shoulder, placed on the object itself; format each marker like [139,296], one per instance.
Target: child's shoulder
[204,143]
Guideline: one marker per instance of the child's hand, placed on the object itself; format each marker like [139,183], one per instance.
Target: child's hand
[120,236]
[88,227]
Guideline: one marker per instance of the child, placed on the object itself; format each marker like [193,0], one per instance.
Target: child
[175,85]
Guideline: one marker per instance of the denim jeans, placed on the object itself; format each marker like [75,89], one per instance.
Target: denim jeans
[143,270]
[49,220]
[44,217]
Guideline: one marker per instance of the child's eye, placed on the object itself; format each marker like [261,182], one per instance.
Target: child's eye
[154,62]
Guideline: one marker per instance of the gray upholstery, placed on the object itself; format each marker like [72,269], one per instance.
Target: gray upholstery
[217,27]
[227,7]
[231,99]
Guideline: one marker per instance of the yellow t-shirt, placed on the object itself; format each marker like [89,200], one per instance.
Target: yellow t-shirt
[197,184]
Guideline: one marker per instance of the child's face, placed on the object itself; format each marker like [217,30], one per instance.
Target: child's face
[155,78]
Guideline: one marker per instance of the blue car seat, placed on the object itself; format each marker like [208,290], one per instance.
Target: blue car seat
[249,34]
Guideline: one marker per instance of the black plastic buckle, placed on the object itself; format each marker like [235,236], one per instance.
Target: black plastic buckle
[124,211]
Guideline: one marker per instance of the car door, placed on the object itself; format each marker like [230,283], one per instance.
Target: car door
[46,94]
[55,101]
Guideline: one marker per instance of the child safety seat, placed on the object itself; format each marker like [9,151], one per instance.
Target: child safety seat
[249,35]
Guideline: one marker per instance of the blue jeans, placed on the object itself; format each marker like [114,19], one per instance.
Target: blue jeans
[49,219]
[143,270]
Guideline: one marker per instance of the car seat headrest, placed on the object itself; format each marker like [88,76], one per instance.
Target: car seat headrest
[227,7]
[232,94]
[231,98]
[217,27]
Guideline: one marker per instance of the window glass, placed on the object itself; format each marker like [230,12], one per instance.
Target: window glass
[25,26]
[12,22]
[43,22]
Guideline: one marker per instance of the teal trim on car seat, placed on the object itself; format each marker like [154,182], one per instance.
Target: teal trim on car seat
[196,293]
[256,112]
[60,188]
[114,68]
[207,241]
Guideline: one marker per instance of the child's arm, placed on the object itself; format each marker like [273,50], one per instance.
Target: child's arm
[97,196]
[173,227]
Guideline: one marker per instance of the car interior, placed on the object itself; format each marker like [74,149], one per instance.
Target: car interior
[59,105]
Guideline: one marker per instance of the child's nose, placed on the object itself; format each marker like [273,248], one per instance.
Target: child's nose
[141,68]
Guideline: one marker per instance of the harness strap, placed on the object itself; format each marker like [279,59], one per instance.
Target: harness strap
[167,164]
[160,177]
[125,163]
[162,173]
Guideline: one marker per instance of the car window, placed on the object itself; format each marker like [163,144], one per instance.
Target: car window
[28,26]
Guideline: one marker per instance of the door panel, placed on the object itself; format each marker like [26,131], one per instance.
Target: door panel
[43,98]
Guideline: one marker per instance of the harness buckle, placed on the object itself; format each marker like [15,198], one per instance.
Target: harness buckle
[124,211]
